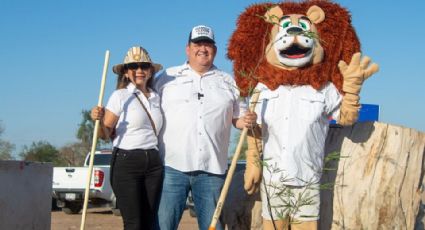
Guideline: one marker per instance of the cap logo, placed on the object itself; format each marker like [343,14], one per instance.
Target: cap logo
[202,31]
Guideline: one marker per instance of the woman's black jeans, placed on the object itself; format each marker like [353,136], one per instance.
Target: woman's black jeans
[136,179]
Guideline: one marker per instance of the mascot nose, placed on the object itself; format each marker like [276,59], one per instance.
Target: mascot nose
[294,30]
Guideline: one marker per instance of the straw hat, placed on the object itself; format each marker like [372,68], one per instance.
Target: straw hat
[136,54]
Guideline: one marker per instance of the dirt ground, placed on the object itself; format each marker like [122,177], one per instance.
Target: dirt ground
[102,218]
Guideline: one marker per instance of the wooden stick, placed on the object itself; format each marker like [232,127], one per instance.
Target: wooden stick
[94,143]
[232,167]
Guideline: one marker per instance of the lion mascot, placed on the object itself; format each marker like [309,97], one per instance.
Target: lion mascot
[303,58]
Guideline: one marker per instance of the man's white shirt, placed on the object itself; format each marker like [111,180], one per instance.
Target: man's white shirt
[198,112]
[295,122]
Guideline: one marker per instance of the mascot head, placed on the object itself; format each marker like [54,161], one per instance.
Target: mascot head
[291,44]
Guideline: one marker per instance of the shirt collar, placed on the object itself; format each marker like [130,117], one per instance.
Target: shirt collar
[132,89]
[187,67]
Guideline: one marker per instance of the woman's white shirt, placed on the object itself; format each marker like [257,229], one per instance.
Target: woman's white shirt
[134,129]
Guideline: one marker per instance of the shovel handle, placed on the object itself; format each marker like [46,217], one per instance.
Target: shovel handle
[232,167]
[94,143]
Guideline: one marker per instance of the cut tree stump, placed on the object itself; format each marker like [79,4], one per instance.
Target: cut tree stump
[378,180]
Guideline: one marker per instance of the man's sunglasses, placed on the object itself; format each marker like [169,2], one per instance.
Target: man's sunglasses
[136,65]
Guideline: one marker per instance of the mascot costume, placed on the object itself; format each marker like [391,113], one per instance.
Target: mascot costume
[304,60]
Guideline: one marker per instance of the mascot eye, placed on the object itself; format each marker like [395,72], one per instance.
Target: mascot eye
[286,23]
[304,24]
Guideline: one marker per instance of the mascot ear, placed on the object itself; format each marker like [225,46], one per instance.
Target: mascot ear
[273,15]
[316,14]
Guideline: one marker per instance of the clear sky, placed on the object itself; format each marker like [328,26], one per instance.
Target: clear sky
[52,54]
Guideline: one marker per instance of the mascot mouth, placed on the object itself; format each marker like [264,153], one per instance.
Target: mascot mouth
[295,51]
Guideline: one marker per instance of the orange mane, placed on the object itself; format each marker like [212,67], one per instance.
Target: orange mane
[247,47]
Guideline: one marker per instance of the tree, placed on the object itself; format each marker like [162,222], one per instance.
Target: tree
[85,132]
[42,151]
[85,129]
[6,148]
[73,154]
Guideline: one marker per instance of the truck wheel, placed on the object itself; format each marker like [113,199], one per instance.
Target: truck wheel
[192,212]
[54,205]
[115,210]
[72,208]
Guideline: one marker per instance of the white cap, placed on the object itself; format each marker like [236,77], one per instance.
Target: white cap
[201,33]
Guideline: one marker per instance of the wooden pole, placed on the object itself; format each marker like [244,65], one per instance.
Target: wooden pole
[232,167]
[94,143]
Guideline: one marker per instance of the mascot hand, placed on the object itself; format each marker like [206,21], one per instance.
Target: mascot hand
[350,107]
[356,72]
[253,169]
[252,176]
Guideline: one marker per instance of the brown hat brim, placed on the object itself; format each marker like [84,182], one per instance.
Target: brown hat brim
[119,69]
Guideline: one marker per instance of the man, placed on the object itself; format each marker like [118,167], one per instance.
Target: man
[199,103]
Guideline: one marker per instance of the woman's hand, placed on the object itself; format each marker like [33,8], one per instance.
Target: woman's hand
[97,113]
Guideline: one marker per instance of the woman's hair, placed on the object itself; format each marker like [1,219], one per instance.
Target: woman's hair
[122,81]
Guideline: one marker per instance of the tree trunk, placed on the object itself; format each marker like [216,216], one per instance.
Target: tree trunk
[378,181]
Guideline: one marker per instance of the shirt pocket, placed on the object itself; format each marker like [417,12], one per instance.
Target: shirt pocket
[220,85]
[155,106]
[311,107]
[268,103]
[178,91]
[221,93]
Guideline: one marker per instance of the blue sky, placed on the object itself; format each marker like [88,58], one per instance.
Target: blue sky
[52,53]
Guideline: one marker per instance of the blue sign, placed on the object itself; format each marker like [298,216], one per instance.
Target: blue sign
[368,112]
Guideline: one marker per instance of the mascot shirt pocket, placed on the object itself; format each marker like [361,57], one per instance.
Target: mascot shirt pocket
[269,102]
[311,107]
[177,92]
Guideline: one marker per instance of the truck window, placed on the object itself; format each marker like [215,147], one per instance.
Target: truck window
[100,159]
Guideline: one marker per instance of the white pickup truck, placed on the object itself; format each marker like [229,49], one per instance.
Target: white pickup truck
[69,185]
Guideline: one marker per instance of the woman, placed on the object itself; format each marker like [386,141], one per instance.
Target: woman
[132,119]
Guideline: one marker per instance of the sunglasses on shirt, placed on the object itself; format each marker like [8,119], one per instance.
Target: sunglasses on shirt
[137,65]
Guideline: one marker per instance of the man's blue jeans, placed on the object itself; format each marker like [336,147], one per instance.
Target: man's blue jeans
[205,187]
